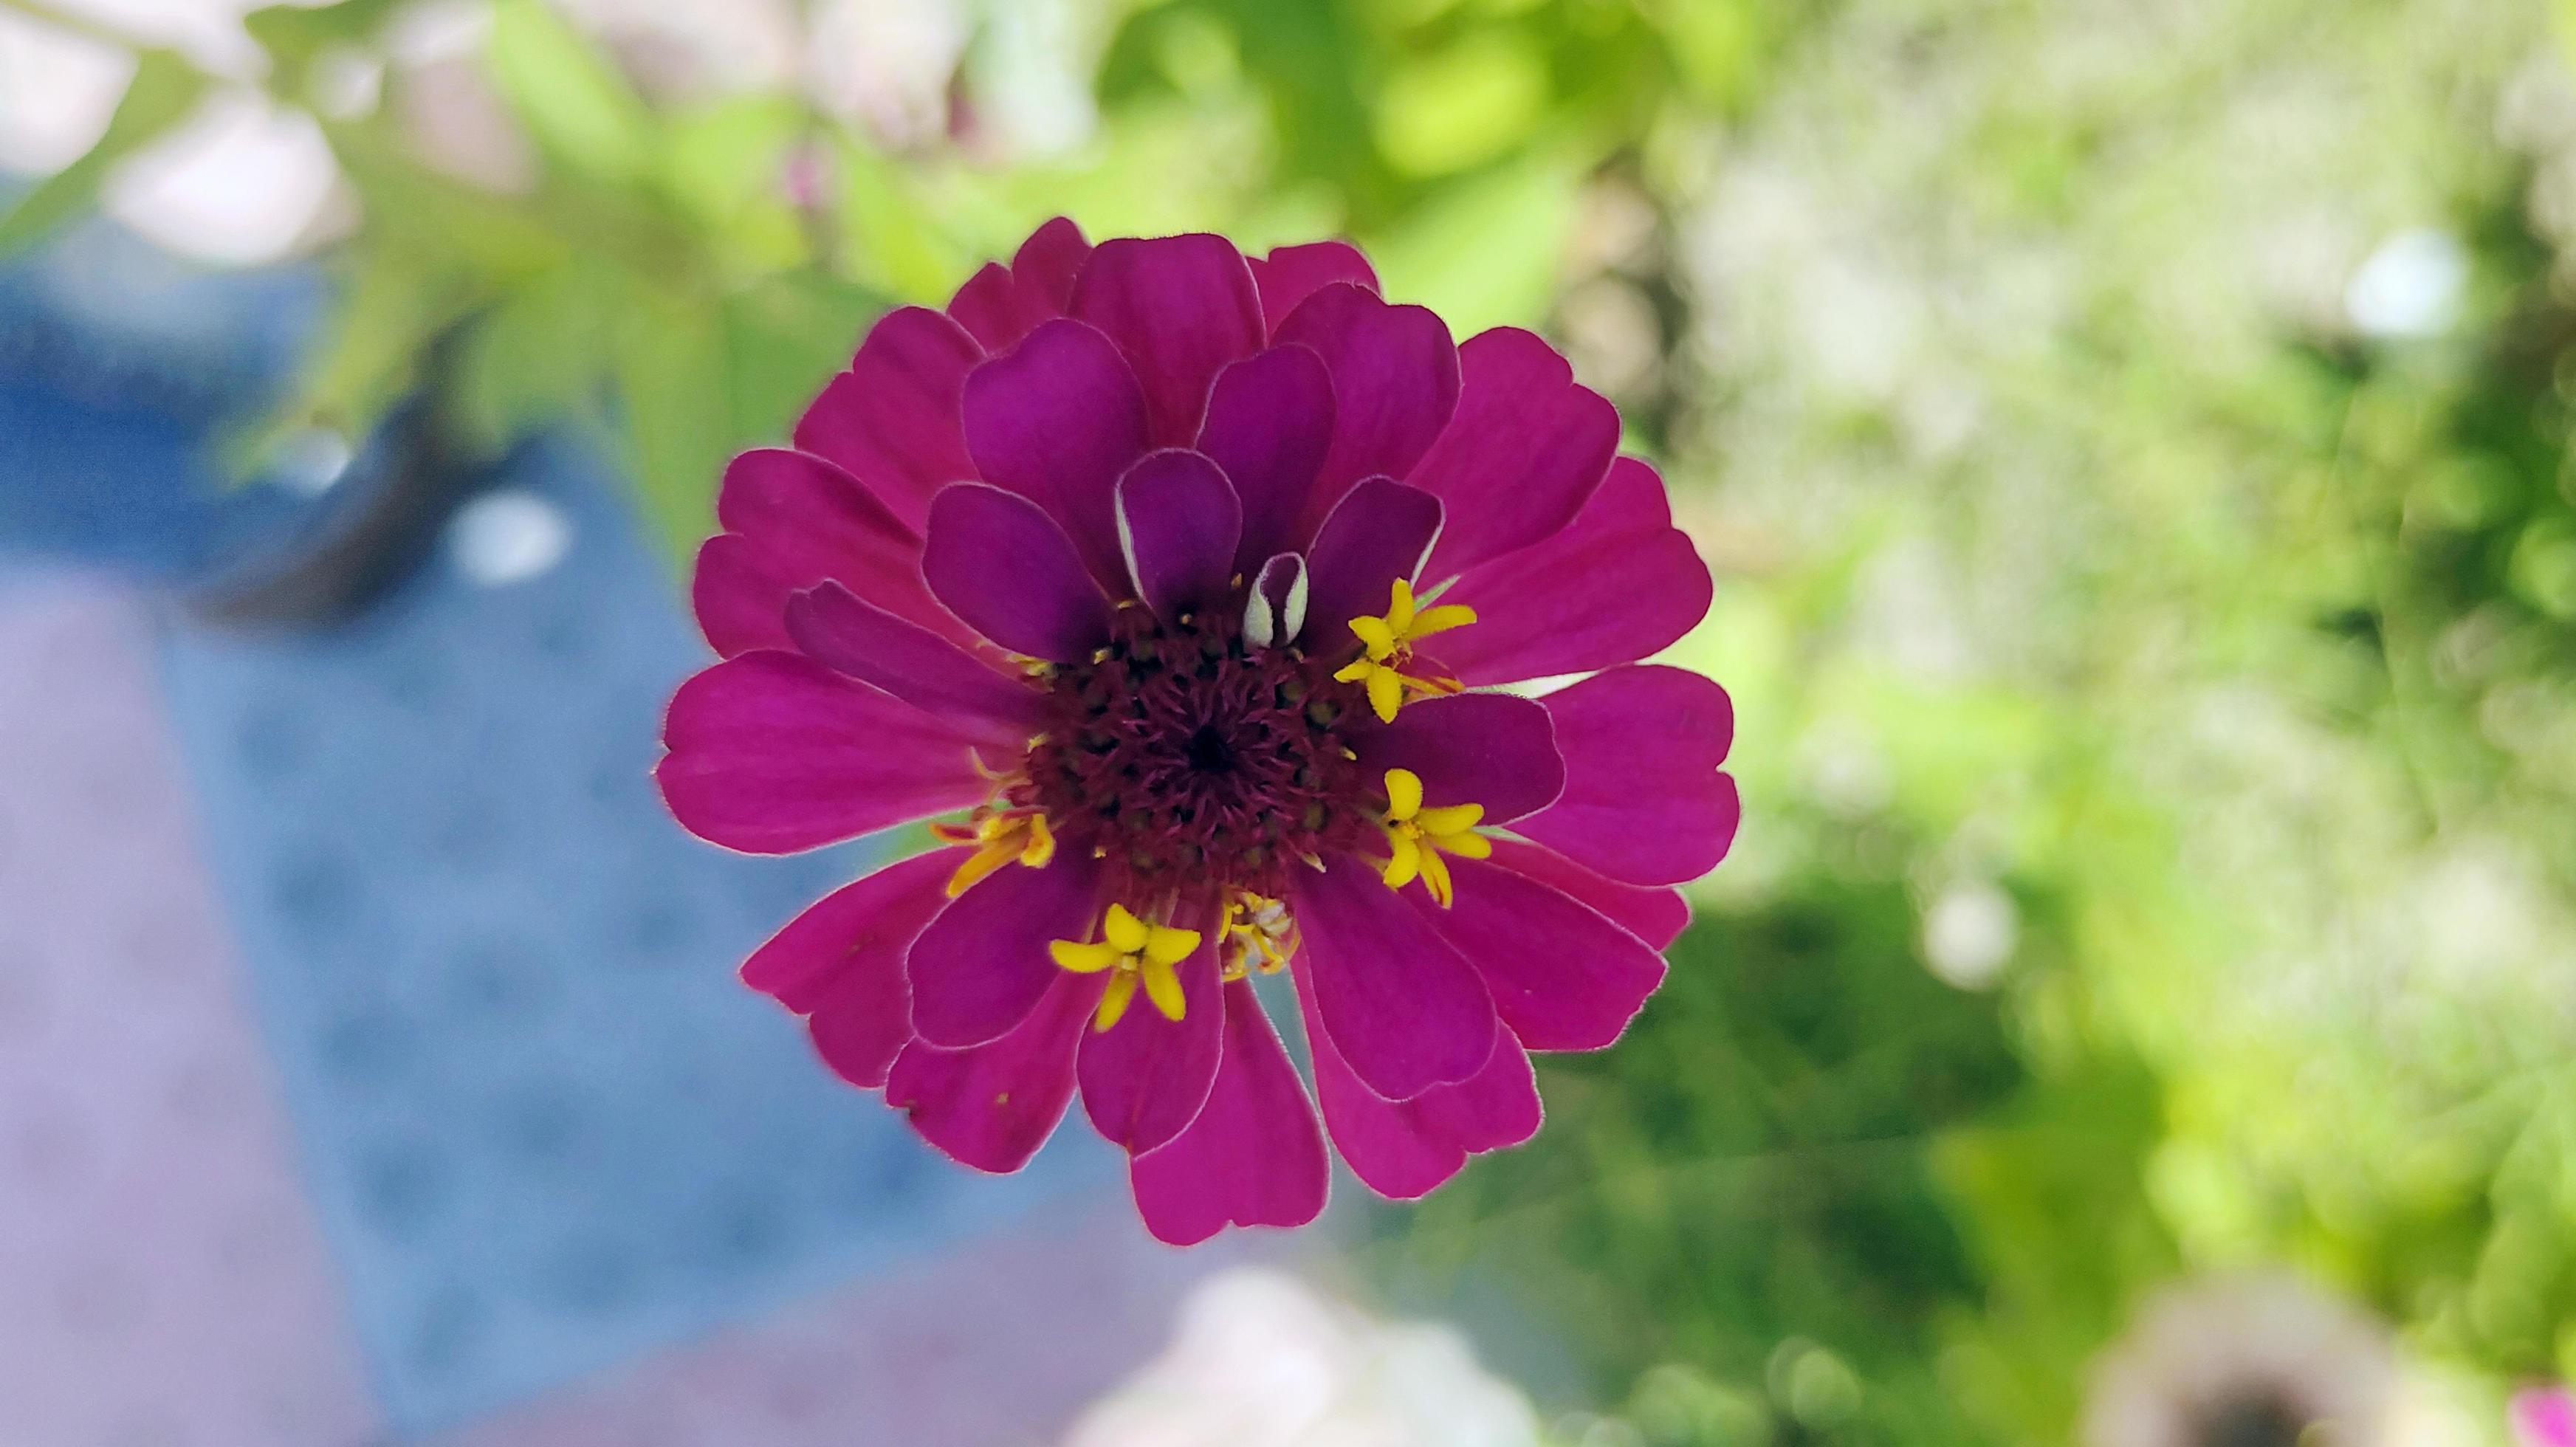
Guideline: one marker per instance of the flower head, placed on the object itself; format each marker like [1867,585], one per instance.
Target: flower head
[1182,585]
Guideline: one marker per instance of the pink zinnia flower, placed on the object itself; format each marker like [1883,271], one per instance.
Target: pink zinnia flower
[1188,580]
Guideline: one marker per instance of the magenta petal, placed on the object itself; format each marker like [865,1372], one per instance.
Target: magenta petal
[1290,274]
[1524,450]
[892,419]
[1049,264]
[1618,584]
[1493,749]
[1562,977]
[994,310]
[1254,1156]
[850,928]
[1402,1149]
[1499,1107]
[1555,610]
[1177,524]
[1381,532]
[1145,1078]
[875,647]
[1001,304]
[739,596]
[793,520]
[840,964]
[981,966]
[1180,307]
[1002,564]
[1057,420]
[1644,802]
[1403,1008]
[1657,916]
[1269,423]
[992,1106]
[861,1021]
[771,753]
[1395,382]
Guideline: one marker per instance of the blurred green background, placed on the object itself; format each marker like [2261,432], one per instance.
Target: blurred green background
[2131,439]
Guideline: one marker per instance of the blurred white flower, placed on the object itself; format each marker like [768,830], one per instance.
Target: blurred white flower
[2247,1361]
[1969,933]
[2409,287]
[887,65]
[508,537]
[679,50]
[56,90]
[1260,1360]
[245,181]
[1034,66]
[241,182]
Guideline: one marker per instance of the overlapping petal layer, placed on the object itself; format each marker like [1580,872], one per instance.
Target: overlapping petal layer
[1175,578]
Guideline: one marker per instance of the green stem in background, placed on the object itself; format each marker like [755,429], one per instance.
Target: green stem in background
[80,25]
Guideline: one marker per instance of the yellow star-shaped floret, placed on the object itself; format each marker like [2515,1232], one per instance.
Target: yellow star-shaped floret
[1135,953]
[1387,648]
[1421,837]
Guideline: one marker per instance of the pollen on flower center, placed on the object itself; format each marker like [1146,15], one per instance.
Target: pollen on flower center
[1197,768]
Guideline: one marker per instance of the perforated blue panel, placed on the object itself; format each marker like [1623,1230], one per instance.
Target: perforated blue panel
[544,1126]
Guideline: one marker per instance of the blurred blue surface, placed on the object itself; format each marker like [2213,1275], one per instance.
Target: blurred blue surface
[544,1126]
[121,371]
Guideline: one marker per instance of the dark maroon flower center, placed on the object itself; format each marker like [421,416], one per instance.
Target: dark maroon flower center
[1196,768]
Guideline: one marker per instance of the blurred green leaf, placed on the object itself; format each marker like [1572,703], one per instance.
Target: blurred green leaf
[1464,105]
[396,306]
[542,351]
[702,376]
[297,35]
[1484,251]
[788,334]
[573,99]
[2054,1192]
[165,89]
[891,241]
[1313,69]
[1716,45]
[429,211]
[727,167]
[1751,1168]
[675,403]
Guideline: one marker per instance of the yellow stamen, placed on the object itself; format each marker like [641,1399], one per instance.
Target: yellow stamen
[1113,1001]
[1261,933]
[1403,793]
[1083,959]
[1386,649]
[999,839]
[1135,953]
[1125,931]
[1418,838]
[1163,987]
